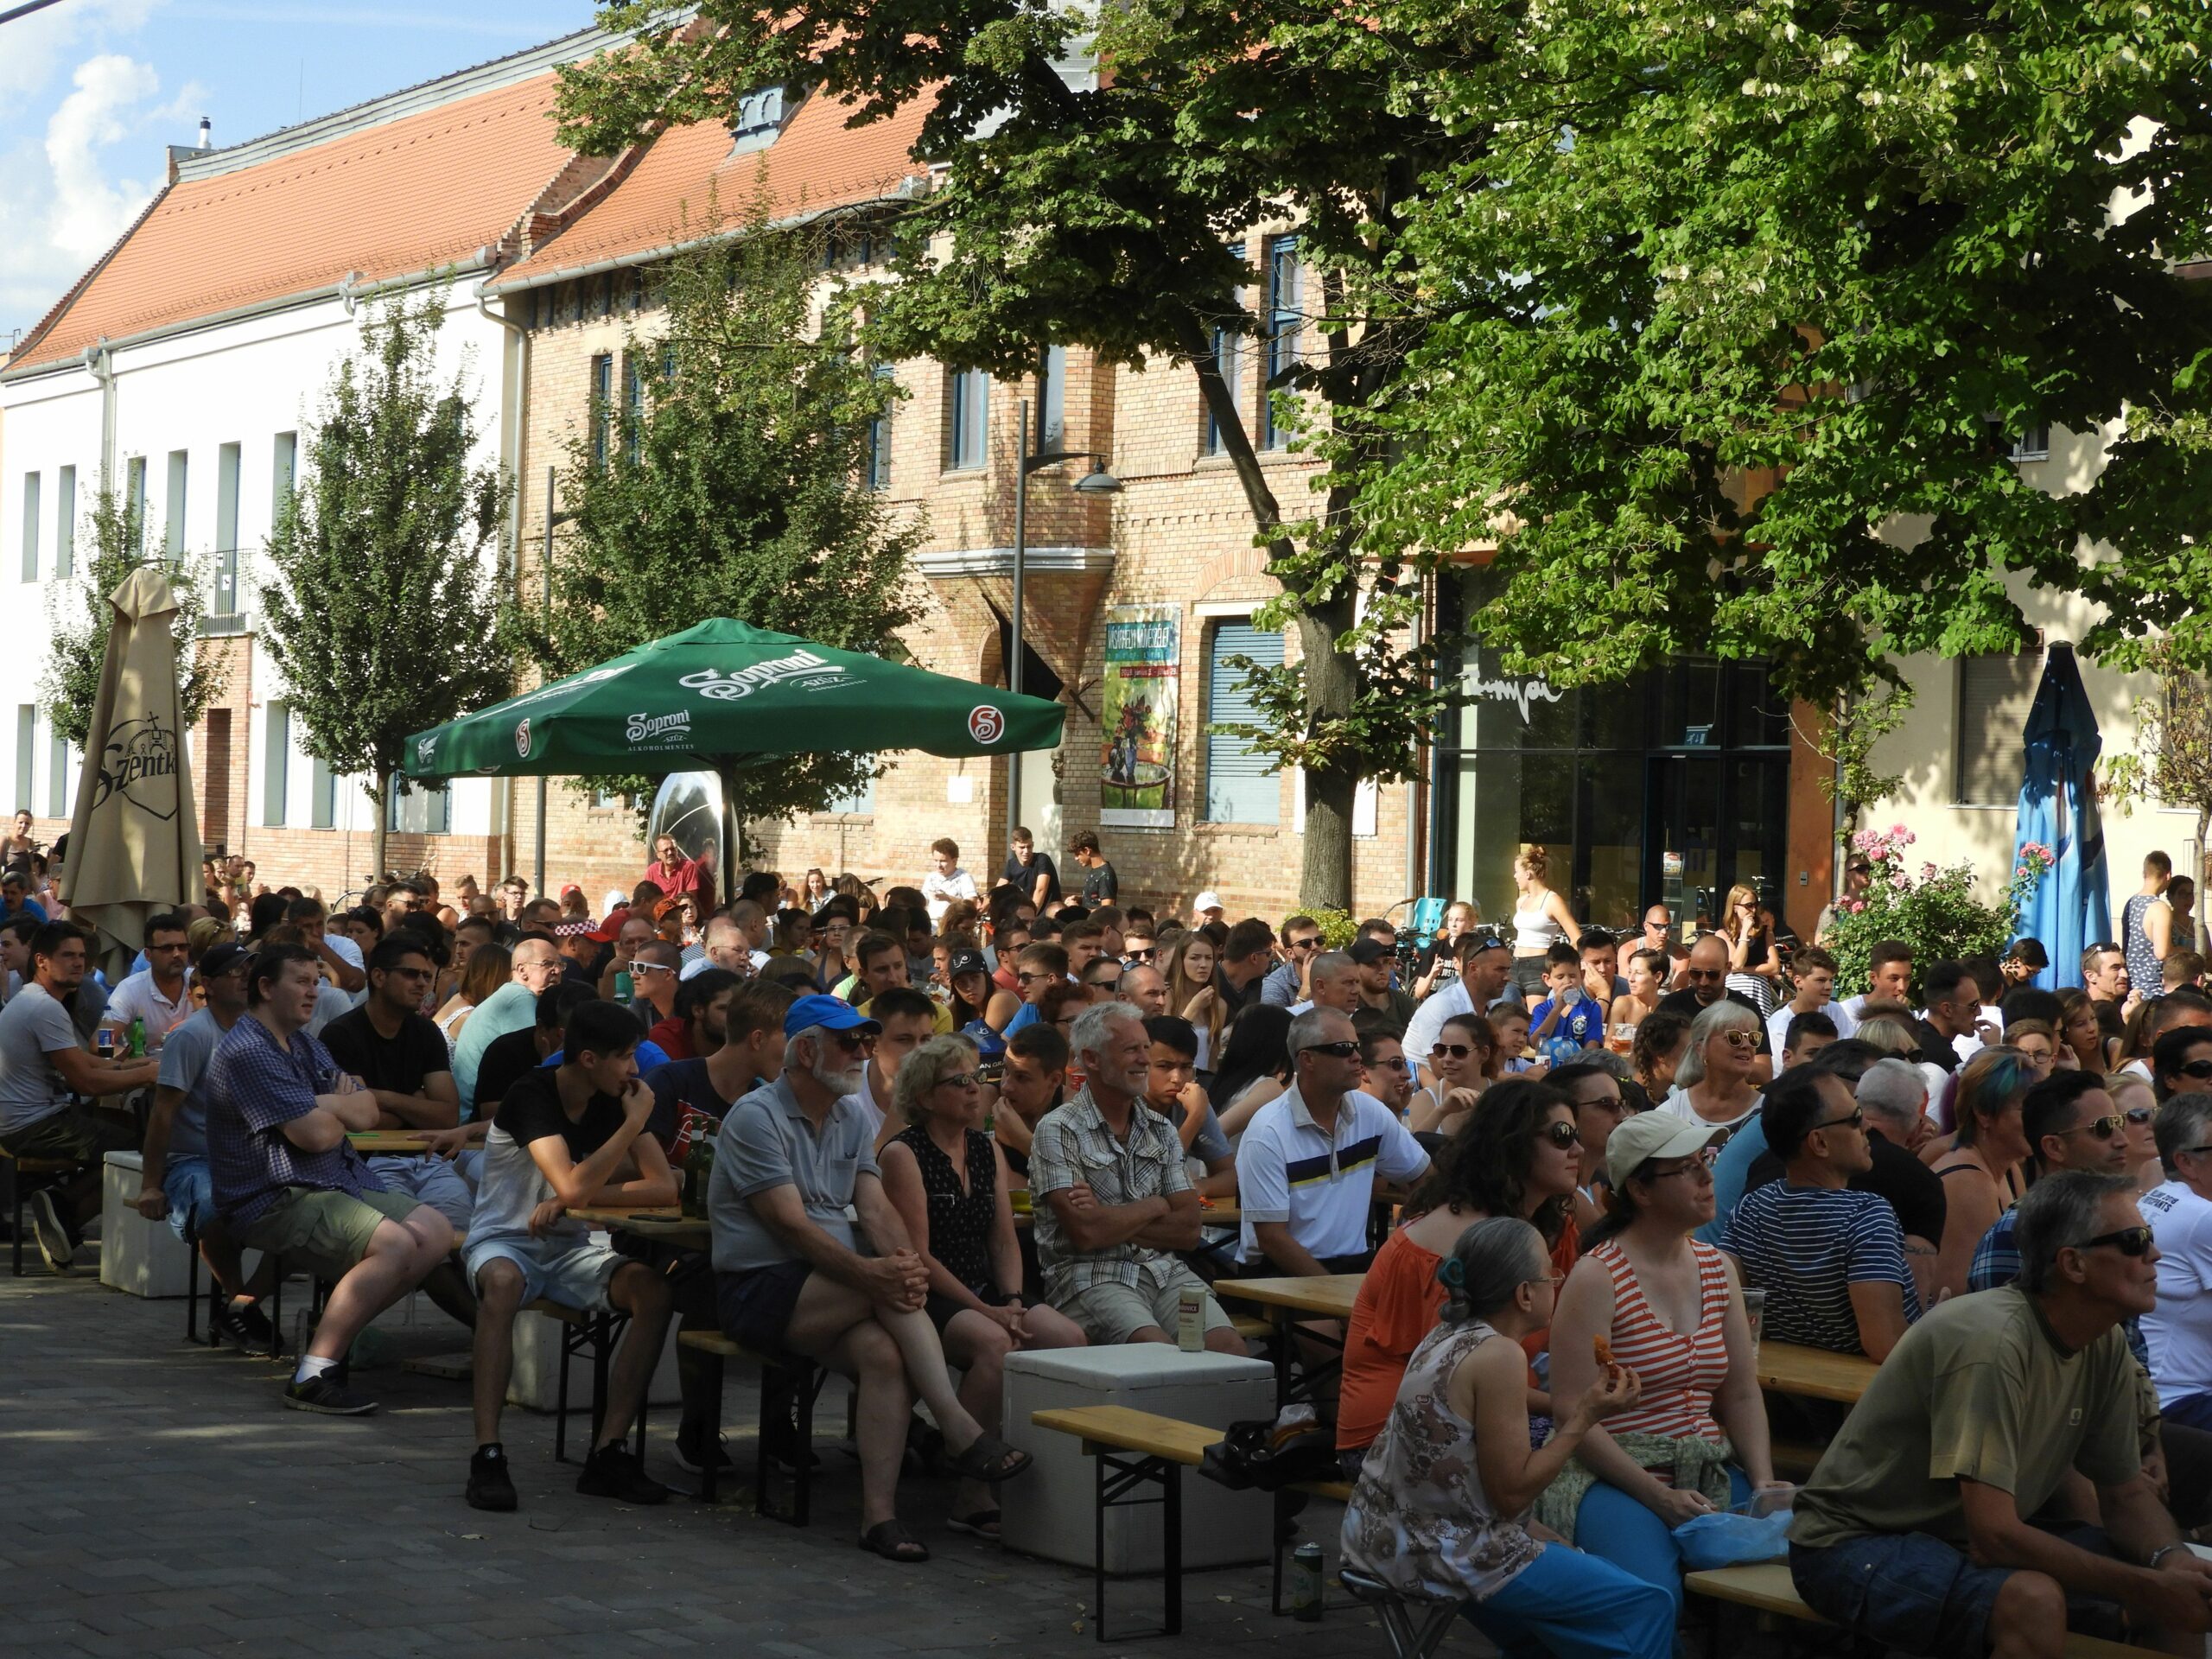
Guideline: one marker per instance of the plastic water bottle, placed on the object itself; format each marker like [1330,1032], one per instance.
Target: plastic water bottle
[1305,1583]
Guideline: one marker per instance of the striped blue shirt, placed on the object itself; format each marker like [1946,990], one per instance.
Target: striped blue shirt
[1805,1246]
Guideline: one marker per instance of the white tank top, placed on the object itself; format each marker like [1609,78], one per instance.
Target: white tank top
[1534,930]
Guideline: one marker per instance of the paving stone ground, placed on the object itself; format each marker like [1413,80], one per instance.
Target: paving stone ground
[157,1499]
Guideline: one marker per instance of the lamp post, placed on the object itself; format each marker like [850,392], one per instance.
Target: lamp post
[545,596]
[1096,481]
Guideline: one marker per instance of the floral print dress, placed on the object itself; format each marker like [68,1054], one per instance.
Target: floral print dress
[1419,1519]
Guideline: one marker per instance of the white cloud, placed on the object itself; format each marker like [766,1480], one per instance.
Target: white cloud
[39,43]
[60,206]
[88,212]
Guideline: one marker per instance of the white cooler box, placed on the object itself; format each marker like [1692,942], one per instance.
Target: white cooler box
[1048,1511]
[137,1256]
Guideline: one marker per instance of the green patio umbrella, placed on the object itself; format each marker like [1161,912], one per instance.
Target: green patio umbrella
[721,695]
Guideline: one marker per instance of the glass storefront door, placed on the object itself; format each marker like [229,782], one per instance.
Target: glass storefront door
[1668,788]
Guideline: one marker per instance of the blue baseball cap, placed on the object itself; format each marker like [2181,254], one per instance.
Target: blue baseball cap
[831,1013]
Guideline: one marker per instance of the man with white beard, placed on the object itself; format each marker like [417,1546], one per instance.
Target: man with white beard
[789,1276]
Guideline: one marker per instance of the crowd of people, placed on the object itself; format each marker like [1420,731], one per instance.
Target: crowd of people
[1616,1162]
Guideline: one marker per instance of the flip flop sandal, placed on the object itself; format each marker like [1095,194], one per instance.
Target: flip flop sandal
[989,1459]
[894,1542]
[984,1523]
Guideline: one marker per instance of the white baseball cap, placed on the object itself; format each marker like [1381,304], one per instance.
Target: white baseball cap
[1644,1136]
[1207,900]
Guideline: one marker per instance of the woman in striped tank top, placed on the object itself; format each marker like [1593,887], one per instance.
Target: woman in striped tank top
[1670,1310]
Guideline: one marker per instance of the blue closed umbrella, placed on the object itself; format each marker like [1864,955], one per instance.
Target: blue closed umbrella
[2069,909]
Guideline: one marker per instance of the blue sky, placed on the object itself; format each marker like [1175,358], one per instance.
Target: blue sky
[91,91]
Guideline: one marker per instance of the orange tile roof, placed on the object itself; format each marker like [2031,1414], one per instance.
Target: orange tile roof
[689,177]
[402,196]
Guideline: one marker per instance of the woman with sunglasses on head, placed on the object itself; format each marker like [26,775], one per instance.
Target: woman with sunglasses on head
[1439,1512]
[948,1179]
[1713,1084]
[1463,1063]
[1516,1155]
[1754,964]
[1654,1299]
[1980,1163]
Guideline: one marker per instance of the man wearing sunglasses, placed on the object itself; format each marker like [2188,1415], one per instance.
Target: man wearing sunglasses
[1831,1259]
[1705,982]
[1917,1531]
[1286,984]
[2070,1123]
[1307,1166]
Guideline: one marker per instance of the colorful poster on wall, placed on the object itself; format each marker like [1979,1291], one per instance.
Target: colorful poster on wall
[1137,717]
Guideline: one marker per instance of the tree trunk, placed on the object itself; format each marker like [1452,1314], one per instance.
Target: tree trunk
[380,799]
[1325,881]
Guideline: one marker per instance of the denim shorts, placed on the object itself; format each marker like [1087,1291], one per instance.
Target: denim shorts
[190,1189]
[556,1270]
[1914,1592]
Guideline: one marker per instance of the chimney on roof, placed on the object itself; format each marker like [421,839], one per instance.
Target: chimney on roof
[206,132]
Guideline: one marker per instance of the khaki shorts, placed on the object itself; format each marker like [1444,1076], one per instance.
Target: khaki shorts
[1114,1313]
[75,1134]
[322,1228]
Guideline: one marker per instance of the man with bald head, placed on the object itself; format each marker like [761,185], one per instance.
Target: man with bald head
[513,1007]
[1332,981]
[1145,989]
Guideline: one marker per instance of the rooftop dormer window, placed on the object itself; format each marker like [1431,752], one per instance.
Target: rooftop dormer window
[760,117]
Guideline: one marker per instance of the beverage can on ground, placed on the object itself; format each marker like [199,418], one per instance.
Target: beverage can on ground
[1305,1583]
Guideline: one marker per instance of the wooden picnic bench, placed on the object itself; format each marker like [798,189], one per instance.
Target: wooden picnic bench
[1136,1449]
[1767,1588]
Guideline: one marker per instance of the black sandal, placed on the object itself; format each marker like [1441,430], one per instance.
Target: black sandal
[989,1459]
[984,1523]
[891,1540]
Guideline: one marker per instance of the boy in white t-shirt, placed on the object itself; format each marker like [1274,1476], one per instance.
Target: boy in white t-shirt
[948,881]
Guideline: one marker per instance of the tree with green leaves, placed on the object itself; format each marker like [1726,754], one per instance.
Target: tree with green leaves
[1113,213]
[383,616]
[2172,761]
[733,484]
[79,619]
[1739,331]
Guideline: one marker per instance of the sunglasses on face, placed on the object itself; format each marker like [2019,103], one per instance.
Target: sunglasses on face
[1703,973]
[1303,944]
[957,1080]
[2103,1128]
[854,1042]
[1345,1051]
[1856,1120]
[2199,1069]
[1742,1041]
[1113,984]
[2128,1241]
[1394,1063]
[1144,955]
[1451,1051]
[1563,1135]
[650,968]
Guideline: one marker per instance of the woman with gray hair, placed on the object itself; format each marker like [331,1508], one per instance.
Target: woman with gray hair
[947,1178]
[1713,1084]
[1439,1510]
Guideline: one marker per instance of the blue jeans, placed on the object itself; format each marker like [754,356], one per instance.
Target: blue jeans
[1615,1527]
[1576,1607]
[190,1189]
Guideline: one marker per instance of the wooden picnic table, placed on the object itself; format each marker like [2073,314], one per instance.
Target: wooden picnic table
[1814,1373]
[1328,1295]
[375,1142]
[666,1222]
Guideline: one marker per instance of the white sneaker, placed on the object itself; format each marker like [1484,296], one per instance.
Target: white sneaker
[45,1226]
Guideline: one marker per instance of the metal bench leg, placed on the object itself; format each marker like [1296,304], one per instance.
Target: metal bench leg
[192,1286]
[15,1201]
[804,1387]
[561,1398]
[1098,1543]
[710,1384]
[1171,1494]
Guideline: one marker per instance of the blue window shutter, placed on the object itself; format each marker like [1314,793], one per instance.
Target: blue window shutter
[1241,783]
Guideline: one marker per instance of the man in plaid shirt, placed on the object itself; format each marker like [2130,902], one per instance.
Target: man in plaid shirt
[289,1183]
[1113,1203]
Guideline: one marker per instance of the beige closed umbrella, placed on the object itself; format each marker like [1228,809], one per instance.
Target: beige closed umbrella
[134,839]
